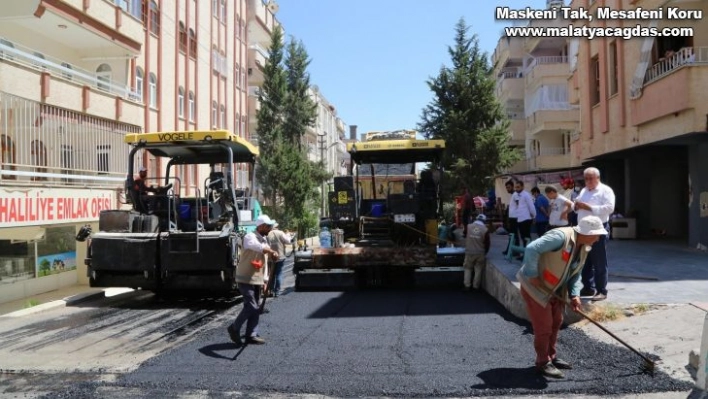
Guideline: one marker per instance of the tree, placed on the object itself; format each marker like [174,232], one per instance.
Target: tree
[272,96]
[466,114]
[301,177]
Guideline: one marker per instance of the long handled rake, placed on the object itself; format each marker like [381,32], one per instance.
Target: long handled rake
[648,366]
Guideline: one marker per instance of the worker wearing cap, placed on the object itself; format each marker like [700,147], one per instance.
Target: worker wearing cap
[476,248]
[550,277]
[139,184]
[250,279]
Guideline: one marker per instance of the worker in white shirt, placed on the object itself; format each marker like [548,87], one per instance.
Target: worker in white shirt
[595,199]
[525,212]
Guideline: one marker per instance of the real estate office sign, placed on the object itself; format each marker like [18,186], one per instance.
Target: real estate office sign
[40,206]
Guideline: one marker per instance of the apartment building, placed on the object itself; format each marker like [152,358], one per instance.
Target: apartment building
[644,120]
[325,138]
[75,76]
[532,85]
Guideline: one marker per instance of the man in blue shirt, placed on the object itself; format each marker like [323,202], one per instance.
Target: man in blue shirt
[542,211]
[550,277]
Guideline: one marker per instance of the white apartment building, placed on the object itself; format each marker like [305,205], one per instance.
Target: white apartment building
[325,138]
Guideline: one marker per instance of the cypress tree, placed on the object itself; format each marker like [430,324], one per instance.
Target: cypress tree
[466,114]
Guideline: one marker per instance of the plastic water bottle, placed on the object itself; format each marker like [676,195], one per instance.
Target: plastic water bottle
[325,238]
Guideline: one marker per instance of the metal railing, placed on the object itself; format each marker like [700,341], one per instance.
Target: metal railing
[30,58]
[686,56]
[546,151]
[50,146]
[547,60]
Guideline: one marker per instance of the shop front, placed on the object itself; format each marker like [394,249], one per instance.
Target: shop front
[38,226]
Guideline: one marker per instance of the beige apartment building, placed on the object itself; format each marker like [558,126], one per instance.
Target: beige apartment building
[75,76]
[644,120]
[532,85]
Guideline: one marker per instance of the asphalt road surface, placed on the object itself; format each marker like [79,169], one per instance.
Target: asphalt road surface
[367,343]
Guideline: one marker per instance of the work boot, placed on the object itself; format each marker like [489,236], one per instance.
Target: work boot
[255,340]
[561,364]
[587,292]
[549,370]
[234,335]
[599,297]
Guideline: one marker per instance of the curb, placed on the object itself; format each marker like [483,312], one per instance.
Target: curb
[83,297]
[68,301]
[508,294]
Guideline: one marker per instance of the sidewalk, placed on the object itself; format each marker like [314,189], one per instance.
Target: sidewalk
[42,300]
[668,279]
[641,272]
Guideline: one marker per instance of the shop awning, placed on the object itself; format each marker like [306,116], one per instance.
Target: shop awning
[27,233]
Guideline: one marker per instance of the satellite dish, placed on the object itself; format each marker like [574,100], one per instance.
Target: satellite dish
[273,6]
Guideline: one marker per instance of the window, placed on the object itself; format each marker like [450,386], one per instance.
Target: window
[7,156]
[243,125]
[238,124]
[238,26]
[237,75]
[67,75]
[154,18]
[38,155]
[139,82]
[192,43]
[613,69]
[192,110]
[223,11]
[103,75]
[102,152]
[215,8]
[180,102]
[222,112]
[152,81]
[243,28]
[595,70]
[182,37]
[214,114]
[243,78]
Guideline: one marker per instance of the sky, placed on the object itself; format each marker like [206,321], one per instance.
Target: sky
[371,58]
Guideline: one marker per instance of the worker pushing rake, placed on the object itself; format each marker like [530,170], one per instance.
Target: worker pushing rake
[550,280]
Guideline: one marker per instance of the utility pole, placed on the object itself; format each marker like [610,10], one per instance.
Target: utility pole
[323,142]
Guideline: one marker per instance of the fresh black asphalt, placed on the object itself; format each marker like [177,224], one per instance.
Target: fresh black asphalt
[386,343]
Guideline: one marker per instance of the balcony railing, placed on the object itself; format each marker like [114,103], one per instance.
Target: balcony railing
[51,146]
[547,60]
[544,151]
[685,56]
[30,58]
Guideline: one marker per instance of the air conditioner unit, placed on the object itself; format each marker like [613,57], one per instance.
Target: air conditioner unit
[624,228]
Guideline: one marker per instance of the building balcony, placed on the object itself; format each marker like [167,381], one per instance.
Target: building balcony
[517,127]
[261,22]
[552,158]
[508,48]
[257,58]
[510,86]
[537,44]
[254,104]
[547,69]
[553,119]
[51,146]
[674,85]
[520,166]
[102,28]
[19,62]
